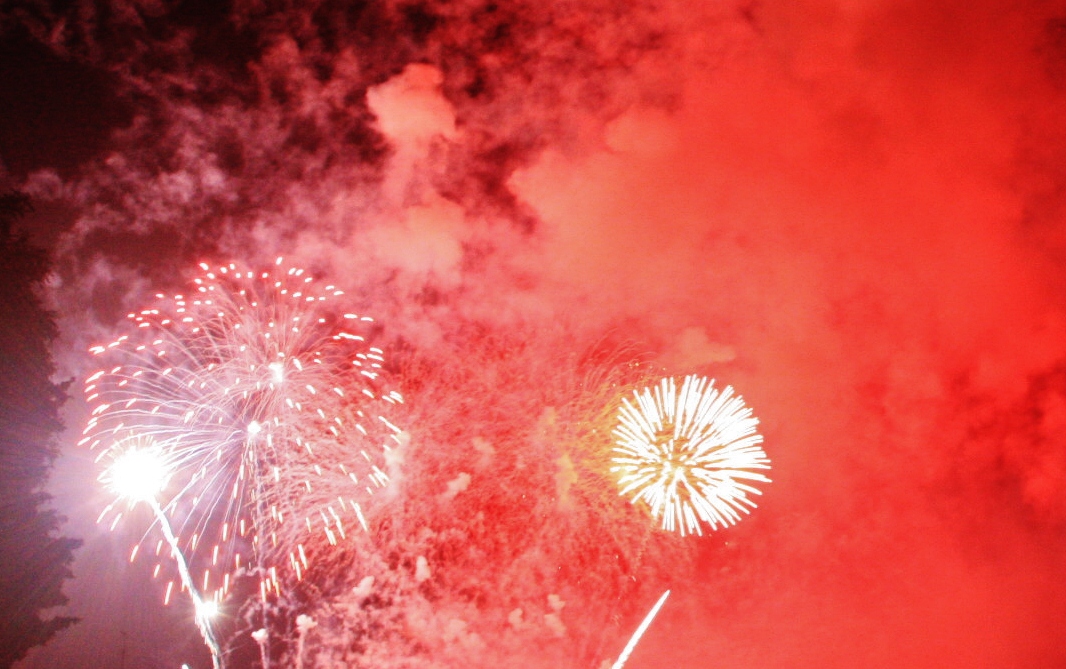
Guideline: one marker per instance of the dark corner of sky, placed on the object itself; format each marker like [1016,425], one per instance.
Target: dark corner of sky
[57,112]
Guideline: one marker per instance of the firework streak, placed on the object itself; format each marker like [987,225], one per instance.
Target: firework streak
[137,473]
[620,662]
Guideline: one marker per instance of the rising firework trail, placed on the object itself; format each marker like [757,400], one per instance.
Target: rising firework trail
[138,473]
[643,627]
[267,406]
[688,454]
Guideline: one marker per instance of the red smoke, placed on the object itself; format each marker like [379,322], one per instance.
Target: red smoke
[852,213]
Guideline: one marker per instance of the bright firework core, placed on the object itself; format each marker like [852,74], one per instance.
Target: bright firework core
[208,609]
[138,475]
[687,454]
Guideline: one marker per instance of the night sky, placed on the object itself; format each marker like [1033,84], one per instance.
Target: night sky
[853,213]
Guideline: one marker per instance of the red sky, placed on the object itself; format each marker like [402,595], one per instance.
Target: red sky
[851,212]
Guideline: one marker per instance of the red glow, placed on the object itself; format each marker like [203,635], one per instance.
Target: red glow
[852,213]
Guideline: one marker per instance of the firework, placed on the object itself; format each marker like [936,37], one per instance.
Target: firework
[641,629]
[689,454]
[265,406]
[137,473]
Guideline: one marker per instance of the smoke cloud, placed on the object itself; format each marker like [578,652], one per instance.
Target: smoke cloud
[851,212]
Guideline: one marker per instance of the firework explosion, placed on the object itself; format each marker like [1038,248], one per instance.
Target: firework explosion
[265,408]
[687,454]
[506,538]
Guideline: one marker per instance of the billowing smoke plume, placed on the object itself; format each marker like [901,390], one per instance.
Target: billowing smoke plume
[852,213]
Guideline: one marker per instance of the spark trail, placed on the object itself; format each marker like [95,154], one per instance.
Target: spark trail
[643,627]
[138,474]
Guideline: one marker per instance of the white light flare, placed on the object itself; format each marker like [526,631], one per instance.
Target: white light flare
[277,372]
[137,474]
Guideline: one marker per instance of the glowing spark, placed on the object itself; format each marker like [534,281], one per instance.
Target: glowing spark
[640,632]
[688,454]
[208,609]
[277,372]
[138,474]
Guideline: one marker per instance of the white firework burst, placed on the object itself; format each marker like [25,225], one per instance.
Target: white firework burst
[265,407]
[689,455]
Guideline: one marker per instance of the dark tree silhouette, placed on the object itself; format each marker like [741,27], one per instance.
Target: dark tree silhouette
[34,560]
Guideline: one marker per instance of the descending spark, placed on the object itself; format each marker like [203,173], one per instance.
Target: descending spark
[139,473]
[620,662]
[688,454]
[268,408]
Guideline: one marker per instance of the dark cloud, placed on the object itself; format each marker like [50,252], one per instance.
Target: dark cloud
[58,112]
